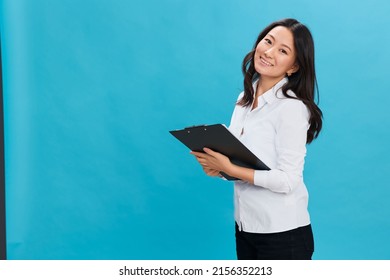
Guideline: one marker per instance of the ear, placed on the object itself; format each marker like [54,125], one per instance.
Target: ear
[293,69]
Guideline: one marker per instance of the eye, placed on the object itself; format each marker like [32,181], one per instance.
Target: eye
[268,41]
[283,51]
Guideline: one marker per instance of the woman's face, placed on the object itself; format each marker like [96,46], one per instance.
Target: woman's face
[275,55]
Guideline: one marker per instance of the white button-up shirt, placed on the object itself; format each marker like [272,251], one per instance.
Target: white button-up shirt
[276,133]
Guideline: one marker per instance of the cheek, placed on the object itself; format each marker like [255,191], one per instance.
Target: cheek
[258,49]
[287,62]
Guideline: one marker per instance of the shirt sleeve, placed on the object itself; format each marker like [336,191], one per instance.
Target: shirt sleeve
[233,119]
[290,144]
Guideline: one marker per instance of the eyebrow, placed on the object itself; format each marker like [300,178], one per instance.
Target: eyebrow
[269,34]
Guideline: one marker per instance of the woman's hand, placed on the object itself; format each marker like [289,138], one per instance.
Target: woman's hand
[213,162]
[211,172]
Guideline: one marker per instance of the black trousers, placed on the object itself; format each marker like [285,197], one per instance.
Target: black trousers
[296,244]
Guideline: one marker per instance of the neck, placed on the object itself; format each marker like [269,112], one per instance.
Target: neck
[264,85]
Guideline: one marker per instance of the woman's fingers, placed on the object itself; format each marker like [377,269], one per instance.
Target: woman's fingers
[211,172]
[211,159]
[207,161]
[210,152]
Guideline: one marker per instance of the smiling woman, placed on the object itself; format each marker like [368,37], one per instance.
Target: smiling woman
[275,117]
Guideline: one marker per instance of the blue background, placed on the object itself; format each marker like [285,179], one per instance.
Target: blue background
[92,87]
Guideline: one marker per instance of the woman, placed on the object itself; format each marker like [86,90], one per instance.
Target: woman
[275,117]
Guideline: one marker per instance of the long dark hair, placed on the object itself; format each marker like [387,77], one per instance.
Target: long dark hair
[303,82]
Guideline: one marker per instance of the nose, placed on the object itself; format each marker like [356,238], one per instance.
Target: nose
[269,53]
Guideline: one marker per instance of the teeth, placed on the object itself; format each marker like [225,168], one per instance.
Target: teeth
[265,62]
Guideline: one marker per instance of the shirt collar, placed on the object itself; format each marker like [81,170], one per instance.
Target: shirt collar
[273,93]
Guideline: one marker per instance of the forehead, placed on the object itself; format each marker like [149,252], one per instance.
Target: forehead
[282,35]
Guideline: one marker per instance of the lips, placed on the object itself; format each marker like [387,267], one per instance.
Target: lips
[265,62]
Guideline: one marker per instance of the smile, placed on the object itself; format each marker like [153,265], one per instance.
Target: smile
[265,62]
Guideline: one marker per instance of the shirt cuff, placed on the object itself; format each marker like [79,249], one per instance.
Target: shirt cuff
[260,178]
[275,180]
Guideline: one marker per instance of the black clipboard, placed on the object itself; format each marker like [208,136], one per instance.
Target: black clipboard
[218,138]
